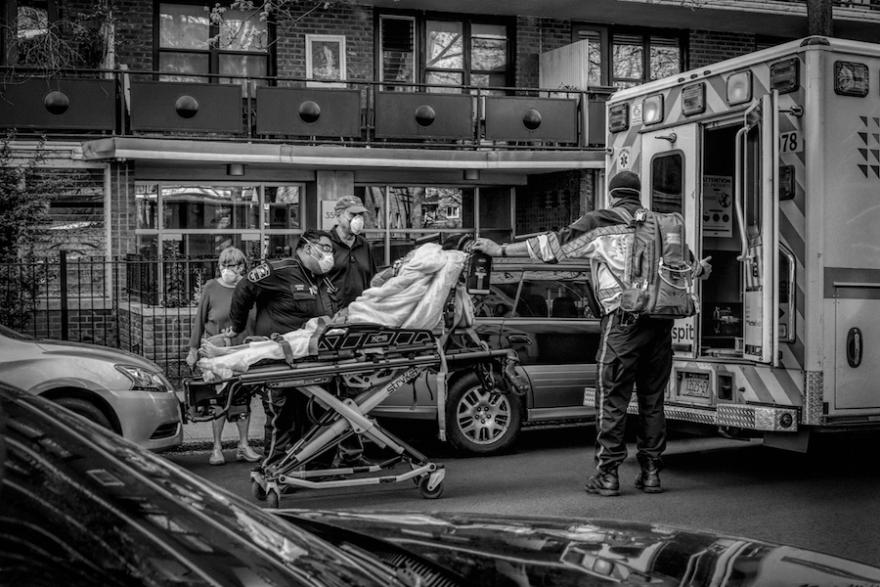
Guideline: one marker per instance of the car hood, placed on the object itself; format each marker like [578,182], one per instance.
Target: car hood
[83,506]
[497,550]
[86,350]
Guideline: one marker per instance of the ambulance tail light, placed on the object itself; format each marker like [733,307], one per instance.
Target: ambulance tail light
[652,109]
[850,79]
[618,118]
[739,88]
[693,99]
[784,75]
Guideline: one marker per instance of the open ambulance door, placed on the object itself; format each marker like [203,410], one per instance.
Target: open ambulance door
[757,163]
[670,168]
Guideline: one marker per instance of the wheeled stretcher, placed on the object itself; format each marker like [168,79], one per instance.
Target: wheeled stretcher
[355,367]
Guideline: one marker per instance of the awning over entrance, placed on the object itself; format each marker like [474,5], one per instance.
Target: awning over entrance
[339,157]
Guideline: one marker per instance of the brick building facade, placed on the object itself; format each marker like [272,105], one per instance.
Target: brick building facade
[415,113]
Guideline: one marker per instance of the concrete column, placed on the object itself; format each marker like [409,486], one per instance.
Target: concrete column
[332,185]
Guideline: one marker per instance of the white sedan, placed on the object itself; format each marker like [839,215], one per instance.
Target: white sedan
[115,389]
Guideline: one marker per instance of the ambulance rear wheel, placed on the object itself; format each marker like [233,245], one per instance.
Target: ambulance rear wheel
[481,422]
[257,491]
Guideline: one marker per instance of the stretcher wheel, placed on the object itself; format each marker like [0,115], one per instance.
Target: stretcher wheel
[430,493]
[273,499]
[257,491]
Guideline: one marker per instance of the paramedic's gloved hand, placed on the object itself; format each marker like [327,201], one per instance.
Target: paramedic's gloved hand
[192,357]
[488,246]
[705,269]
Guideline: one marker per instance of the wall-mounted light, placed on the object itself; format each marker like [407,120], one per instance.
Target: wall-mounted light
[472,174]
[236,169]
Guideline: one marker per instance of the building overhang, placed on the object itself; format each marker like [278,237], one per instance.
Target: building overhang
[333,157]
[783,18]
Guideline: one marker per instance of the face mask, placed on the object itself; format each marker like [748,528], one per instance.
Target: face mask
[228,276]
[356,225]
[325,261]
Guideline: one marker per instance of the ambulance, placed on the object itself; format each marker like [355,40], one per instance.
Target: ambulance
[773,159]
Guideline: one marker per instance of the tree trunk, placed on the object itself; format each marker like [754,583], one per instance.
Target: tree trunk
[819,18]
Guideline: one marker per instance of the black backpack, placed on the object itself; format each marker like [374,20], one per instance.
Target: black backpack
[659,276]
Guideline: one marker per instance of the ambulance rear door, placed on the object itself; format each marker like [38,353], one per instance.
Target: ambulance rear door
[755,199]
[670,168]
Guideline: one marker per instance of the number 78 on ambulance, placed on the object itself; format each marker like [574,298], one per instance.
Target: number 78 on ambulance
[773,159]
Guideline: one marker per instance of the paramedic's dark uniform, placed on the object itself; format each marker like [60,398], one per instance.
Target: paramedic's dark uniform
[353,268]
[287,295]
[631,350]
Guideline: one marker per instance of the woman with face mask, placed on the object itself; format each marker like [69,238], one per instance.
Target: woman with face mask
[353,265]
[212,321]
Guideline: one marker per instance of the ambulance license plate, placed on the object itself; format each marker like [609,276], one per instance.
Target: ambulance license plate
[694,385]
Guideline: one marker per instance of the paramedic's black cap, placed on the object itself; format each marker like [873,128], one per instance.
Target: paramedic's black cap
[626,182]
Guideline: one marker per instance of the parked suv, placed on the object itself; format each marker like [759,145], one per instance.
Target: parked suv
[114,389]
[542,312]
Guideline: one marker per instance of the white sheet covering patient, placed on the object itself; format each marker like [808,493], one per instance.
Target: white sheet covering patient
[412,298]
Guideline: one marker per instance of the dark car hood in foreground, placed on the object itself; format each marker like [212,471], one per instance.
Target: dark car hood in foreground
[79,505]
[503,550]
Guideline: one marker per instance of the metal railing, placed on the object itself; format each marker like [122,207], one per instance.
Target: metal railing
[45,103]
[116,303]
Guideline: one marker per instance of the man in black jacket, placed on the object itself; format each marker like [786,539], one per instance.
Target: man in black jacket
[287,293]
[633,349]
[353,265]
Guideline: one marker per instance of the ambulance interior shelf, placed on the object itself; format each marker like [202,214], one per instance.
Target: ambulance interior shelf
[722,316]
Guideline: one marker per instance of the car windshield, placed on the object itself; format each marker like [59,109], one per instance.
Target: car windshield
[10,333]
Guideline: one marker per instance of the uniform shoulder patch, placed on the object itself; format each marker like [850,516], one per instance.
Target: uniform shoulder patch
[259,272]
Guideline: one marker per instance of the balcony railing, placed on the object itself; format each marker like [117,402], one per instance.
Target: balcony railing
[288,110]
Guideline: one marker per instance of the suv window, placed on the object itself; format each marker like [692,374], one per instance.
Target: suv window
[554,294]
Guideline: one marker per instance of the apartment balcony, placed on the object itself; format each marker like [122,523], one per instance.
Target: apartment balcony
[88,104]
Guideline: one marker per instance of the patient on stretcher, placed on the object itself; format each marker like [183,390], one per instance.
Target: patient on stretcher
[412,296]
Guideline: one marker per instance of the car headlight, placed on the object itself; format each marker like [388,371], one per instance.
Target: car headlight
[145,380]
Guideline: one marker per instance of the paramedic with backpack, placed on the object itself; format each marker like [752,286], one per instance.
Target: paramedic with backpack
[634,349]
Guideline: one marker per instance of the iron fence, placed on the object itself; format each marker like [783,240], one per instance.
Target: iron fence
[139,305]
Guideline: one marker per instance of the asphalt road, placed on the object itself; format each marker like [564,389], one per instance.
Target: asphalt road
[827,501]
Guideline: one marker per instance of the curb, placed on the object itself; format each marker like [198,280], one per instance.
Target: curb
[197,446]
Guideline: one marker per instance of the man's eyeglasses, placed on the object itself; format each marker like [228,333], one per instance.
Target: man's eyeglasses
[323,247]
[232,266]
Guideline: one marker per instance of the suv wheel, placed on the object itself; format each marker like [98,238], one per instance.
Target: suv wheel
[481,422]
[85,408]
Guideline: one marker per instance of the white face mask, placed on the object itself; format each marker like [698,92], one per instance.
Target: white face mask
[356,225]
[325,261]
[228,276]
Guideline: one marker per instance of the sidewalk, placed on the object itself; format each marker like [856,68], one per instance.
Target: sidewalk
[199,436]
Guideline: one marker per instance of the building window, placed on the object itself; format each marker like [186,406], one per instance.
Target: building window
[199,221]
[398,51]
[401,217]
[190,43]
[443,52]
[625,58]
[25,38]
[31,19]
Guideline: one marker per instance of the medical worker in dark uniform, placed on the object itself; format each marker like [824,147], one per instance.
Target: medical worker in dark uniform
[287,293]
[632,350]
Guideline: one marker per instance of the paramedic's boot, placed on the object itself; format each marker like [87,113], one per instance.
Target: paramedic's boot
[604,482]
[649,478]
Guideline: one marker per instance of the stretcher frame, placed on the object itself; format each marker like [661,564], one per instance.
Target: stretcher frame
[393,358]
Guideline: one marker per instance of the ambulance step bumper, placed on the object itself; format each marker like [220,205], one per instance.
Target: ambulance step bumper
[747,417]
